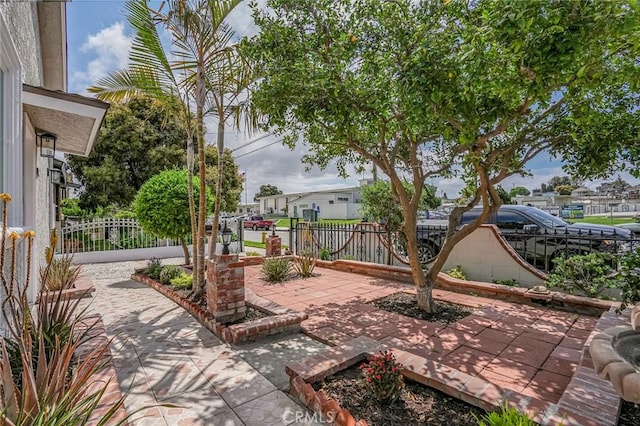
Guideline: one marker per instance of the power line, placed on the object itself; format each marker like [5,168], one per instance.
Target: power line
[251,142]
[258,149]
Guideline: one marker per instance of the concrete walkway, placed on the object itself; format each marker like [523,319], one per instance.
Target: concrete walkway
[164,356]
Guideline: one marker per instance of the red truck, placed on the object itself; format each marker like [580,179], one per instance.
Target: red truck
[257,222]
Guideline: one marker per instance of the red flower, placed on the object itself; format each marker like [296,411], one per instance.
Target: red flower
[378,377]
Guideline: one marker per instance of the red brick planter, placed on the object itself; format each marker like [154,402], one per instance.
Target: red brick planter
[82,288]
[282,320]
[569,411]
[579,304]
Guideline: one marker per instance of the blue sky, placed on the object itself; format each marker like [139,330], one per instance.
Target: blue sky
[98,42]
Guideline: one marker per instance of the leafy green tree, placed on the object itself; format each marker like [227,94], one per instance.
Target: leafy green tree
[266,190]
[519,190]
[162,206]
[204,73]
[505,198]
[231,181]
[564,189]
[139,138]
[438,88]
[379,203]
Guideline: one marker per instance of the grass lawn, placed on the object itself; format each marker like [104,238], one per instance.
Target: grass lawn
[255,244]
[603,220]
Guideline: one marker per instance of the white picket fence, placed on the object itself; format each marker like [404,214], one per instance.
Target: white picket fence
[105,234]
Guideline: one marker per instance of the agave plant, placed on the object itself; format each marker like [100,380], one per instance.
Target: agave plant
[60,274]
[43,381]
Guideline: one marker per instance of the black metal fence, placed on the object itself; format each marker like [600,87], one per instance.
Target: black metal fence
[367,242]
[370,242]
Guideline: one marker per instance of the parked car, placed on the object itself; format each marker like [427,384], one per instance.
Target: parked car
[632,226]
[257,222]
[537,236]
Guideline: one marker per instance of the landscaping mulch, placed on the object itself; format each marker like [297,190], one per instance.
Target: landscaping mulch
[629,414]
[417,405]
[407,305]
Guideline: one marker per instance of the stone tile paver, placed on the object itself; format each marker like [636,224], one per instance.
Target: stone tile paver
[522,348]
[174,370]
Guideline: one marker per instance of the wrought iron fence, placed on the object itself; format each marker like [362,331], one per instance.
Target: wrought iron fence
[371,242]
[367,242]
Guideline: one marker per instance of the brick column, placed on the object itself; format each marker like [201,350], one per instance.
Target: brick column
[225,288]
[274,246]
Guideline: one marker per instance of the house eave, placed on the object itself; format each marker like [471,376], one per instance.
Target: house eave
[74,119]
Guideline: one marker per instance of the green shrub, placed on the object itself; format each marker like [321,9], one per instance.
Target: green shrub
[383,377]
[252,253]
[305,264]
[154,267]
[276,269]
[183,281]
[348,257]
[589,274]
[169,272]
[60,274]
[457,273]
[629,274]
[509,281]
[325,254]
[507,416]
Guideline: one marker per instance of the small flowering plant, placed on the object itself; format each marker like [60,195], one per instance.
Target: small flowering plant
[383,377]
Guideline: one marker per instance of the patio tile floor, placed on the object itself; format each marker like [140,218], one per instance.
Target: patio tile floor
[527,349]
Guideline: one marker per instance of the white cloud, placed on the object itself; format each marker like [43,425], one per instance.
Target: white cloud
[109,51]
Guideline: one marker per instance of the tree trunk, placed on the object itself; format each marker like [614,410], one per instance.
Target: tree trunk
[425,297]
[423,286]
[218,201]
[185,249]
[202,199]
[192,206]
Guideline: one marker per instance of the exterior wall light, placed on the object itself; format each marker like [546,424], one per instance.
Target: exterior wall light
[47,144]
[226,238]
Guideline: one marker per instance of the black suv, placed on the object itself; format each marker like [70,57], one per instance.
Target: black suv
[536,235]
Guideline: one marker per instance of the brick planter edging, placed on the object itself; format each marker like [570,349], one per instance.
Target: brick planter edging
[82,288]
[282,320]
[471,389]
[580,304]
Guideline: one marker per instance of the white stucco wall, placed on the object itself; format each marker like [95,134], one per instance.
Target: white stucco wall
[483,258]
[33,193]
[21,18]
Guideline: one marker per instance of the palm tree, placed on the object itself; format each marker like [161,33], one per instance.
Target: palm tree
[228,81]
[199,38]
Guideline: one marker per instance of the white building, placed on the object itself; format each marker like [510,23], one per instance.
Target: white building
[35,108]
[328,204]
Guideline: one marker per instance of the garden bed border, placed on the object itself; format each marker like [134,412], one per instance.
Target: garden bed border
[83,287]
[569,411]
[282,320]
[522,295]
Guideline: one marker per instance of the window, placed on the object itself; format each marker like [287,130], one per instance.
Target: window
[330,201]
[304,206]
[510,220]
[343,199]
